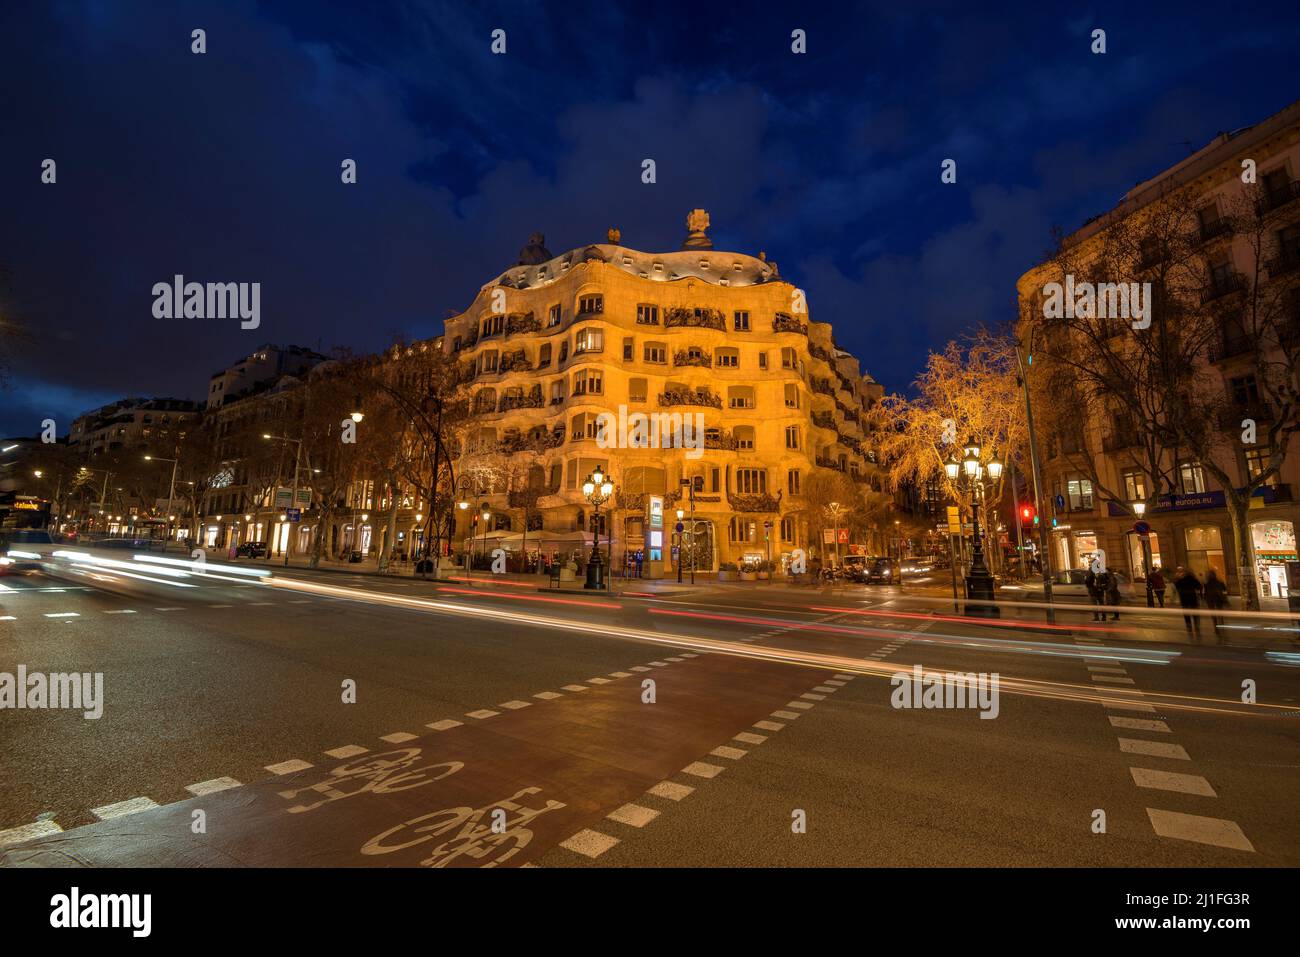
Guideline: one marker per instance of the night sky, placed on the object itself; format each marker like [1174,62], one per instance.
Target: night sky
[225,166]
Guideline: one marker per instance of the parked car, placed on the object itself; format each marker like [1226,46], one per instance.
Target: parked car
[251,550]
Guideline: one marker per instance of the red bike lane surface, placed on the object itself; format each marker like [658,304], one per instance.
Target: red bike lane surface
[497,792]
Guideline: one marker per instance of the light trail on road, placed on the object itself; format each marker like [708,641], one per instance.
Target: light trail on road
[1060,691]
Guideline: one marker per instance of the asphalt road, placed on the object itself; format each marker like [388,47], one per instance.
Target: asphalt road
[725,726]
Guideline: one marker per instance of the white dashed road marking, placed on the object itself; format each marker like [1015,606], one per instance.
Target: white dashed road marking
[123,808]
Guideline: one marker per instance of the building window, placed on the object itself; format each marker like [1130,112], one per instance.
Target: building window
[740,321]
[751,481]
[656,352]
[792,436]
[789,359]
[1245,390]
[487,362]
[1135,485]
[744,438]
[494,325]
[740,397]
[715,482]
[647,315]
[629,348]
[588,382]
[590,305]
[791,396]
[727,358]
[564,350]
[557,392]
[1256,462]
[1191,478]
[1079,493]
[553,317]
[792,482]
[589,340]
[762,360]
[787,529]
[544,356]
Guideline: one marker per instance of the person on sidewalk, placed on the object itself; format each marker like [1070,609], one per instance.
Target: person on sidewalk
[1216,598]
[1157,582]
[1112,592]
[1189,590]
[1096,585]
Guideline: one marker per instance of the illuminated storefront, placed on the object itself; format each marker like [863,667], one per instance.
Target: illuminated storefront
[1273,545]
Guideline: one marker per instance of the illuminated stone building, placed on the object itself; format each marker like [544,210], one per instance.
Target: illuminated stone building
[718,338]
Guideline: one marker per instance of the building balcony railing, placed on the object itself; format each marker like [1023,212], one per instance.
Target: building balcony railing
[522,322]
[825,463]
[1229,347]
[700,317]
[818,352]
[1119,440]
[754,502]
[786,323]
[1279,197]
[1286,261]
[822,387]
[1218,288]
[702,359]
[1216,229]
[1234,414]
[513,360]
[824,420]
[508,402]
[700,397]
[720,439]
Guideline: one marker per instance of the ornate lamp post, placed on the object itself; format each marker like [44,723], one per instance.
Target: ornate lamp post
[597,489]
[1140,509]
[969,476]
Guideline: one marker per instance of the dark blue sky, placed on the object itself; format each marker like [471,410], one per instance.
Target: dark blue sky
[226,166]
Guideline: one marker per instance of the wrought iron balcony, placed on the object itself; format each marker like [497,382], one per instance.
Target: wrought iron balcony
[1279,197]
[787,323]
[700,397]
[754,502]
[1218,288]
[684,358]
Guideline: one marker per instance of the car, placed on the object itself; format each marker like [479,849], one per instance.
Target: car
[251,550]
[24,549]
[872,569]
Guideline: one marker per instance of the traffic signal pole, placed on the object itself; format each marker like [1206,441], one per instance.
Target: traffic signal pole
[1045,553]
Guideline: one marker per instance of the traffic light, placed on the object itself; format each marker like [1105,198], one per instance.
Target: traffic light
[1026,512]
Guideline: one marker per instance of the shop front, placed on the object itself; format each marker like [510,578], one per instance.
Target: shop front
[1272,546]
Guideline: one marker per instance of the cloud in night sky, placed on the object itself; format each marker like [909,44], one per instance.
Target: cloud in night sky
[226,166]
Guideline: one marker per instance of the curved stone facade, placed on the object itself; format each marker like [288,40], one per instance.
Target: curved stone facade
[715,337]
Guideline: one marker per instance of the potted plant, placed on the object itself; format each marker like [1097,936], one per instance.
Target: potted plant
[748,572]
[764,570]
[727,572]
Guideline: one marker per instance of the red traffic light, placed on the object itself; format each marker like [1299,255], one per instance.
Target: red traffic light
[1027,513]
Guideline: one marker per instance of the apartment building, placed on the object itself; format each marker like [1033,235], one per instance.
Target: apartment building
[1255,170]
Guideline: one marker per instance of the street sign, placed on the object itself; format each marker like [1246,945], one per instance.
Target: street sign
[842,536]
[954,520]
[293,514]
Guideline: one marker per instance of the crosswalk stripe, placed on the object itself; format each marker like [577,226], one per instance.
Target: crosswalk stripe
[1172,781]
[1202,830]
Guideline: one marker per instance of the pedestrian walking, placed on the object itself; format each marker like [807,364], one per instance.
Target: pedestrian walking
[1112,592]
[1156,580]
[1216,598]
[1096,585]
[1189,590]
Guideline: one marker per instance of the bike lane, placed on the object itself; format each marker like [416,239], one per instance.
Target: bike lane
[501,791]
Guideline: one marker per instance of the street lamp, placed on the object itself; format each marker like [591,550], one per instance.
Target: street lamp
[979,583]
[1140,509]
[171,490]
[357,415]
[597,490]
[487,515]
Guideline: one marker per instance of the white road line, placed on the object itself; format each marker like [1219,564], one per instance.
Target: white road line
[515,705]
[671,790]
[213,786]
[640,668]
[8,618]
[1202,830]
[174,608]
[672,659]
[726,751]
[28,832]
[220,606]
[444,725]
[123,808]
[702,770]
[481,714]
[1137,724]
[548,695]
[1130,705]
[786,715]
[824,689]
[620,674]
[803,705]
[1155,749]
[1107,669]
[347,751]
[747,737]
[845,677]
[1113,680]
[597,681]
[659,664]
[589,843]
[62,614]
[398,737]
[770,725]
[837,684]
[1171,781]
[574,687]
[633,815]
[689,654]
[813,697]
[119,611]
[290,766]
